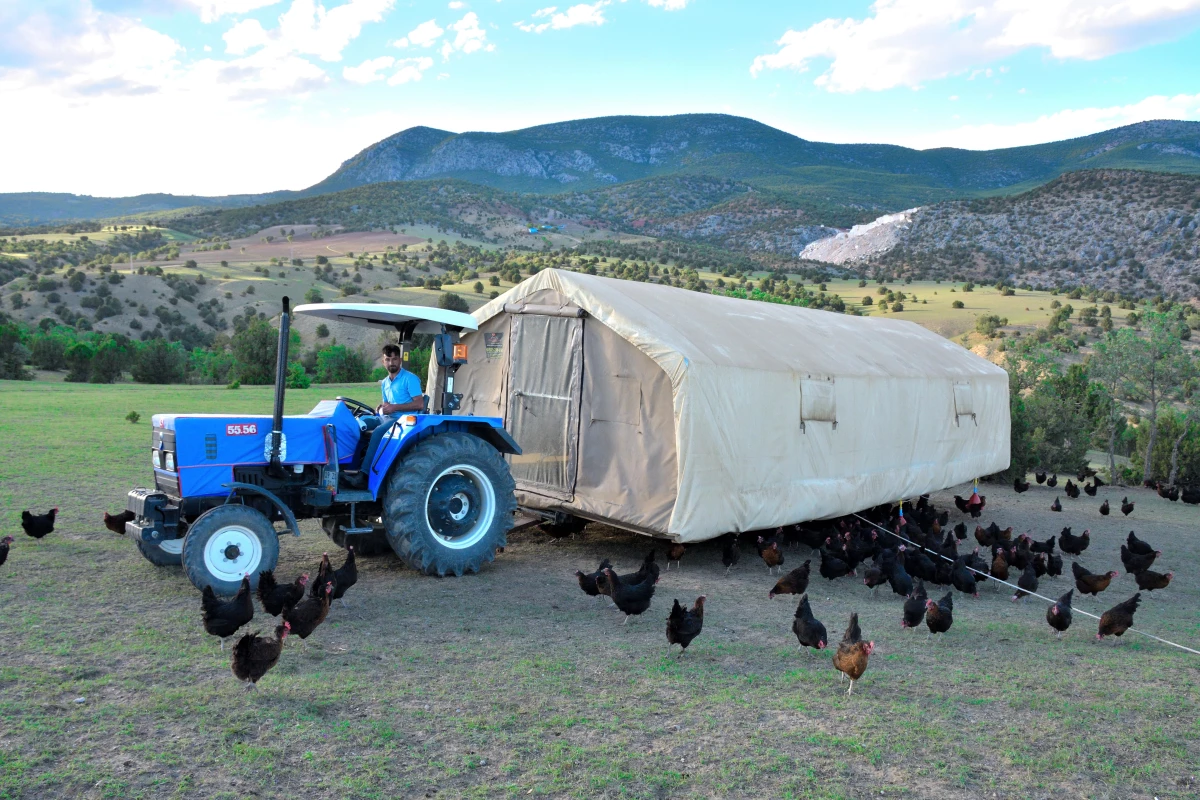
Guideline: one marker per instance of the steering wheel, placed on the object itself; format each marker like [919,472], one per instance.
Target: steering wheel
[358,409]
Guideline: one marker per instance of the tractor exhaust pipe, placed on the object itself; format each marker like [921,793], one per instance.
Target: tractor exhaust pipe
[275,442]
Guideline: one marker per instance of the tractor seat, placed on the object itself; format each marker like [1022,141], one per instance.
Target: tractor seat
[365,453]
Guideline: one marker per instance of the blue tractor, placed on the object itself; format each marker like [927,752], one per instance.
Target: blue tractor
[435,488]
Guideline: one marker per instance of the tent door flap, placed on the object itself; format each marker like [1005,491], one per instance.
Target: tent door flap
[545,382]
[818,401]
[964,402]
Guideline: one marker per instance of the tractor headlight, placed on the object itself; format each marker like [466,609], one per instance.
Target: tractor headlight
[156,459]
[169,461]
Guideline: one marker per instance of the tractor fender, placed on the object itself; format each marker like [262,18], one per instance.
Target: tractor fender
[490,430]
[288,516]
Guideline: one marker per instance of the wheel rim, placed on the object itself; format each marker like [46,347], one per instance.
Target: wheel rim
[172,546]
[232,552]
[460,506]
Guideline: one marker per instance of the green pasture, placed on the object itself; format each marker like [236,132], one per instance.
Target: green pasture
[512,683]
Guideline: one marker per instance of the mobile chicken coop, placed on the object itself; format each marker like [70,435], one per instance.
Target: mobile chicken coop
[687,415]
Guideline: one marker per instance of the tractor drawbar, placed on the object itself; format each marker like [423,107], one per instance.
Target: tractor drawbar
[275,443]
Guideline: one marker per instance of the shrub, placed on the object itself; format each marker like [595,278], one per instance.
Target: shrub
[867,301]
[453,302]
[13,354]
[322,331]
[49,352]
[897,306]
[234,385]
[957,304]
[297,378]
[313,296]
[478,287]
[340,364]
[254,349]
[133,417]
[159,361]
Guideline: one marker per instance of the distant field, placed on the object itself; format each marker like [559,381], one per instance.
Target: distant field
[512,683]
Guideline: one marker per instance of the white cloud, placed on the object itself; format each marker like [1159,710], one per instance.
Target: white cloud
[907,42]
[468,36]
[456,4]
[244,37]
[425,34]
[410,70]
[1066,124]
[582,14]
[368,71]
[669,5]
[213,10]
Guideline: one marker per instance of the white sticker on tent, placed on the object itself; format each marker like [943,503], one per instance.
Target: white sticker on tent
[818,401]
[964,401]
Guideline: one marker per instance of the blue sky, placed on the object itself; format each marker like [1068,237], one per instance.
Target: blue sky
[119,97]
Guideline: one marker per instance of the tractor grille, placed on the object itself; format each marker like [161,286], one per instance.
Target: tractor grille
[167,483]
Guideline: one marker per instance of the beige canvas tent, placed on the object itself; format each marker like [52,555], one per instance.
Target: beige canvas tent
[688,415]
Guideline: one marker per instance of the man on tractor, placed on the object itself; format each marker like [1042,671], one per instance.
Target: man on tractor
[401,394]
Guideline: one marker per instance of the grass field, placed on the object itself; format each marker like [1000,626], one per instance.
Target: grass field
[513,683]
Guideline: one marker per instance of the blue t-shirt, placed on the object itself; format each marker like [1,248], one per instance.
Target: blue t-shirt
[403,388]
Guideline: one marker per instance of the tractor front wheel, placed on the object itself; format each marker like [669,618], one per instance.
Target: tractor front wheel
[449,504]
[227,542]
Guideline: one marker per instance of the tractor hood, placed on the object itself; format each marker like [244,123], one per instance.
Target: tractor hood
[415,319]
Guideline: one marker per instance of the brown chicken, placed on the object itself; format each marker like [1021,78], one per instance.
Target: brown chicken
[675,553]
[1090,583]
[795,582]
[1148,580]
[305,616]
[1000,565]
[852,654]
[116,522]
[1119,618]
[772,556]
[254,655]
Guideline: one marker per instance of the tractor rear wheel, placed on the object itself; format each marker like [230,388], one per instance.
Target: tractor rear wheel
[227,542]
[448,504]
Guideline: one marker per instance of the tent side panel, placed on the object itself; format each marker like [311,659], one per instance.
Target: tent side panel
[627,466]
[746,462]
[483,380]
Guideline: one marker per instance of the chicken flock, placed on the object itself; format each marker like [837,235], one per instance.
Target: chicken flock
[902,547]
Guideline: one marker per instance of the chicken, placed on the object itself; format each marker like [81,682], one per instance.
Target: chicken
[1056,506]
[1090,583]
[1126,506]
[587,580]
[914,606]
[962,578]
[684,625]
[1074,545]
[1000,565]
[939,616]
[116,522]
[874,577]
[309,613]
[808,629]
[1052,481]
[731,554]
[960,531]
[675,553]
[898,577]
[1190,495]
[1040,477]
[276,598]
[1042,547]
[254,655]
[1090,489]
[795,582]
[1135,563]
[223,618]
[4,543]
[1020,486]
[1104,508]
[1058,615]
[833,567]
[38,525]
[1148,581]
[1071,490]
[1168,493]
[1119,618]
[1054,565]
[1096,480]
[632,599]
[1039,564]
[324,576]
[772,556]
[648,571]
[1138,546]
[852,653]
[345,576]
[1027,583]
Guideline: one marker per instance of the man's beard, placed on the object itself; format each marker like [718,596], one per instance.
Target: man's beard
[393,371]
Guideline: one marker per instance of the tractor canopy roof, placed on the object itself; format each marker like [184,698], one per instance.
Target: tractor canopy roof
[416,319]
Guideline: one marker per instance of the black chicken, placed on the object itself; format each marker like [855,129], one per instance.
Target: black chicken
[914,606]
[808,629]
[254,655]
[1126,506]
[632,599]
[1138,546]
[1040,477]
[1135,563]
[276,598]
[1071,490]
[1090,489]
[4,543]
[1020,486]
[345,576]
[1190,495]
[1027,583]
[731,553]
[587,580]
[1074,545]
[684,625]
[833,567]
[1054,565]
[1058,615]
[898,577]
[1052,481]
[1056,506]
[1042,547]
[1104,508]
[223,618]
[309,613]
[38,525]
[939,616]
[324,576]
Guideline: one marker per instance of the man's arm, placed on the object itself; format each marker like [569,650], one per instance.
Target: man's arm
[416,404]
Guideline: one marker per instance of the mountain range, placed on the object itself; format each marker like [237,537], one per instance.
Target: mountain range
[831,184]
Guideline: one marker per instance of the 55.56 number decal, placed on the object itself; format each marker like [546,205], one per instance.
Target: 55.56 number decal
[245,429]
